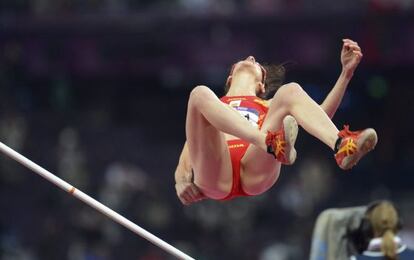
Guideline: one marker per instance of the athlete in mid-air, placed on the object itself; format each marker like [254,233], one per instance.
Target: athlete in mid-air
[236,144]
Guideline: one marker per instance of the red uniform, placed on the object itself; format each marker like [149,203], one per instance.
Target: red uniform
[253,109]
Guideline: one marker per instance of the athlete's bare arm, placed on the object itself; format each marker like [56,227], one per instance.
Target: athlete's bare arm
[350,57]
[187,191]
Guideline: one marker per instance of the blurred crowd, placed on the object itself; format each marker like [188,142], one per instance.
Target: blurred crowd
[205,7]
[102,105]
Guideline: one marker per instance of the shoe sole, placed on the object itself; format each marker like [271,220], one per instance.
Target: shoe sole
[366,142]
[290,127]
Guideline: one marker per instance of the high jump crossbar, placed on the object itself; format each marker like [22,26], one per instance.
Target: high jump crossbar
[93,203]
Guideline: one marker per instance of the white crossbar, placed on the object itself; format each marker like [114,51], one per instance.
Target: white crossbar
[93,203]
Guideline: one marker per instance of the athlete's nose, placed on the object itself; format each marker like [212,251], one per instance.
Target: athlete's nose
[251,58]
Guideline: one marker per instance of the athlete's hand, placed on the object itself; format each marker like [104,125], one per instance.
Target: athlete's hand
[187,191]
[351,55]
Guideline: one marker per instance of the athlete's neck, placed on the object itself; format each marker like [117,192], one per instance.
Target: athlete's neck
[242,85]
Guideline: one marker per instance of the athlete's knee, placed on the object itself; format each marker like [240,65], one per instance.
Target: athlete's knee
[288,92]
[290,89]
[200,93]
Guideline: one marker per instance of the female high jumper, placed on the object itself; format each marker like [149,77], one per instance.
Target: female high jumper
[236,144]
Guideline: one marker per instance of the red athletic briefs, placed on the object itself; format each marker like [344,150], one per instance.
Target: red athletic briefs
[237,149]
[253,109]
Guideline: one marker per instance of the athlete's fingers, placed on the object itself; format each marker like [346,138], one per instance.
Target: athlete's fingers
[183,201]
[187,199]
[182,198]
[358,53]
[349,41]
[189,193]
[350,46]
[181,193]
[191,197]
[198,195]
[346,47]
[354,47]
[196,192]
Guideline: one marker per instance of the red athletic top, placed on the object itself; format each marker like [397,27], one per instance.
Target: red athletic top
[253,109]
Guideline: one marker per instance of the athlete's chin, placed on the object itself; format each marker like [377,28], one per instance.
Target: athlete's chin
[246,67]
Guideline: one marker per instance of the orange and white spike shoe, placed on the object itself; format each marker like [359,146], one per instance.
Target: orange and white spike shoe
[281,143]
[354,145]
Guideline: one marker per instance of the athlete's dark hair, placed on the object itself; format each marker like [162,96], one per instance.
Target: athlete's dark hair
[273,77]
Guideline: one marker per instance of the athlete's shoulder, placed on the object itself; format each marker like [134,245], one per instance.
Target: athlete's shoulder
[262,102]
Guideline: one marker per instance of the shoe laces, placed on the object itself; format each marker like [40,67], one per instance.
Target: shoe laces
[277,142]
[348,145]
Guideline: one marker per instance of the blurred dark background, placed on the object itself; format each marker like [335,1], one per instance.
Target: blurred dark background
[95,92]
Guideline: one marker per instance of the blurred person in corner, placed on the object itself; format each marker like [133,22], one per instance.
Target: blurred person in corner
[236,144]
[359,233]
[382,222]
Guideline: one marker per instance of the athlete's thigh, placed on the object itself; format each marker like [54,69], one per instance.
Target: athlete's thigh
[209,155]
[260,169]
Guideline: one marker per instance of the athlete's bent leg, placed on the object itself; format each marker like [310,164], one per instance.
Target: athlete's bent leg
[209,155]
[261,170]
[207,119]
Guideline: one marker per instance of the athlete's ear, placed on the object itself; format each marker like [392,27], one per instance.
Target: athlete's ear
[228,81]
[262,88]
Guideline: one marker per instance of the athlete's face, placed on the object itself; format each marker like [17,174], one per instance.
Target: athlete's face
[249,65]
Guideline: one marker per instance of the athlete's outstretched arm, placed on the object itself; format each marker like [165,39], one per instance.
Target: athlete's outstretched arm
[187,191]
[350,57]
